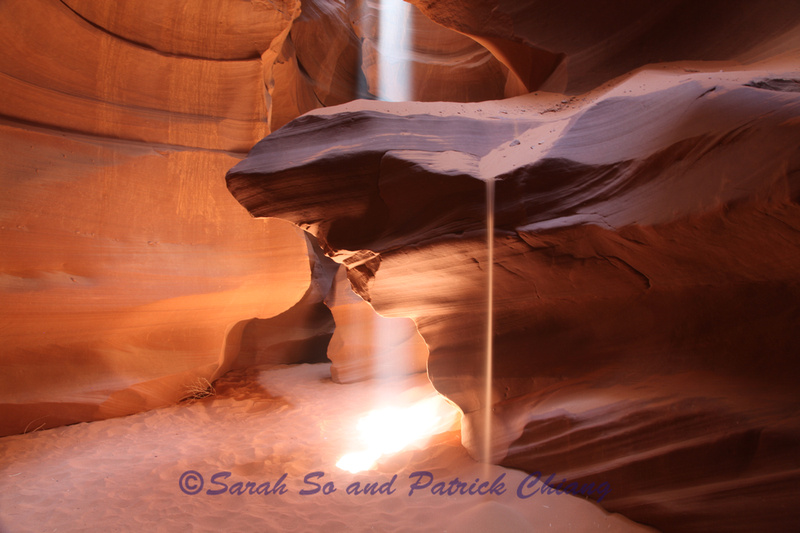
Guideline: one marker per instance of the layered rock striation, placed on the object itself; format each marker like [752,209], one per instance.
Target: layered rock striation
[573,46]
[127,272]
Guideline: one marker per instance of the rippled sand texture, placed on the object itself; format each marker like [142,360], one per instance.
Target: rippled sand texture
[123,474]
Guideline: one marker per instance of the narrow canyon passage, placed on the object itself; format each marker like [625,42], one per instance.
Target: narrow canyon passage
[231,231]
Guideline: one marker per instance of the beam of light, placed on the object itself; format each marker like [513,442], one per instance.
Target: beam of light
[394,51]
[389,430]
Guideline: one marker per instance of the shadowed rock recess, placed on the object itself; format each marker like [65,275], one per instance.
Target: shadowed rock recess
[645,158]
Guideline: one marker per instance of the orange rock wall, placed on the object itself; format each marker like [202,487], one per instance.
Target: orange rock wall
[127,271]
[646,283]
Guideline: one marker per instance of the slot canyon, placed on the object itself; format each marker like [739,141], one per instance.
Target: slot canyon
[229,228]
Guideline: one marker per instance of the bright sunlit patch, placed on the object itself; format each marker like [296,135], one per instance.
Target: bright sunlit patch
[390,430]
[358,461]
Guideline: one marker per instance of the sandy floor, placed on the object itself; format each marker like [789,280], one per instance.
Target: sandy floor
[143,472]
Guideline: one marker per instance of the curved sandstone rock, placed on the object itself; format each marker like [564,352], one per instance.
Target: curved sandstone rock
[575,45]
[128,273]
[122,279]
[204,29]
[644,274]
[300,334]
[60,71]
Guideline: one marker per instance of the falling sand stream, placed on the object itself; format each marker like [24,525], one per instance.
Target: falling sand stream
[487,405]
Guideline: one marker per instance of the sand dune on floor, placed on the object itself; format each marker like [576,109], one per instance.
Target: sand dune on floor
[288,427]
